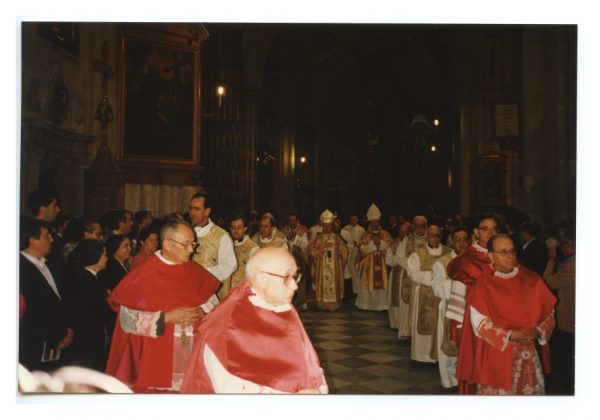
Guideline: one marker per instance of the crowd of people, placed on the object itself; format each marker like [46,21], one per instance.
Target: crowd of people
[187,304]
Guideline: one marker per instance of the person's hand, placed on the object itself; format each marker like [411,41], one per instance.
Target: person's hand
[184,315]
[524,336]
[376,241]
[67,340]
[552,253]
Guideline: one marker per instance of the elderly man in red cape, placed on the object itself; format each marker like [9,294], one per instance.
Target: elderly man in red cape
[510,308]
[254,341]
[159,302]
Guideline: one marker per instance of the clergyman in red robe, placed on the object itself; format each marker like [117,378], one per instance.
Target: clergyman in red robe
[159,302]
[254,341]
[510,308]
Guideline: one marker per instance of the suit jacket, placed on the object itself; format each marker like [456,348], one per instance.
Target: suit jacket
[45,320]
[535,256]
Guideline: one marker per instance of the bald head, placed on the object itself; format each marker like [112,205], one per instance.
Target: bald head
[271,273]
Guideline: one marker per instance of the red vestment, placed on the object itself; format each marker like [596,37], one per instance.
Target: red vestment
[256,344]
[517,303]
[466,268]
[144,362]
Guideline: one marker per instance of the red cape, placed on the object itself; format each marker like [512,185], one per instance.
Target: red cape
[468,266]
[520,302]
[268,348]
[154,286]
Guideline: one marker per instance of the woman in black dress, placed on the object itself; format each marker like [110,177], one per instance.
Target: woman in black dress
[118,250]
[92,315]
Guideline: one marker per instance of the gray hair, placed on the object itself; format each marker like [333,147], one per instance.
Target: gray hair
[170,226]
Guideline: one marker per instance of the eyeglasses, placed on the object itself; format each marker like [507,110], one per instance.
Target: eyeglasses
[487,228]
[507,252]
[288,278]
[461,239]
[184,244]
[420,226]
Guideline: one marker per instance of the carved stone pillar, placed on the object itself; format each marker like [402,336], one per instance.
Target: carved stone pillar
[249,148]
[104,179]
[104,183]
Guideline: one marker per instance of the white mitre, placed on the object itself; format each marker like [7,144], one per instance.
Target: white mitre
[327,217]
[373,213]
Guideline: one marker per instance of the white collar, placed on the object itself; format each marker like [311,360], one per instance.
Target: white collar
[236,243]
[434,251]
[510,275]
[526,244]
[203,230]
[267,240]
[163,259]
[34,260]
[261,303]
[479,248]
[95,273]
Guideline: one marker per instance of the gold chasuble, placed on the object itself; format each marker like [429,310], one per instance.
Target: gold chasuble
[207,253]
[328,255]
[428,302]
[372,265]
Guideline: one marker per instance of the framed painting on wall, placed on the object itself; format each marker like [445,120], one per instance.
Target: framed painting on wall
[159,94]
[62,34]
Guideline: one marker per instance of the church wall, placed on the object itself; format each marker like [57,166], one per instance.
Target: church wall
[59,134]
[533,67]
[547,189]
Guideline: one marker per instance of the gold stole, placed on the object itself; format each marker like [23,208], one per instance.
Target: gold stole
[428,303]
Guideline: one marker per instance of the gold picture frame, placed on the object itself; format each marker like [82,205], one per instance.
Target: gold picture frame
[159,79]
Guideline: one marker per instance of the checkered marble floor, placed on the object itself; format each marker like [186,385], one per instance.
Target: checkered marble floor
[361,354]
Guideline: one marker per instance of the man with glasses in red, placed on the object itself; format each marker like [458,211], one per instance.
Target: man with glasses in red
[159,303]
[254,342]
[510,308]
[464,271]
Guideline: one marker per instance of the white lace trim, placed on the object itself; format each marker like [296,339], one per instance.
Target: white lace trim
[510,275]
[479,248]
[258,301]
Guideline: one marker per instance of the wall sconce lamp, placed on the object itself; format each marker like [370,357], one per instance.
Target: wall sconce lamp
[302,159]
[220,93]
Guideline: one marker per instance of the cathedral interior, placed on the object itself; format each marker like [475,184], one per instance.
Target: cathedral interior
[418,118]
[299,117]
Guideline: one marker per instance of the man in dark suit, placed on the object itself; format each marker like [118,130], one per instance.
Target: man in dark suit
[44,333]
[44,206]
[533,253]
